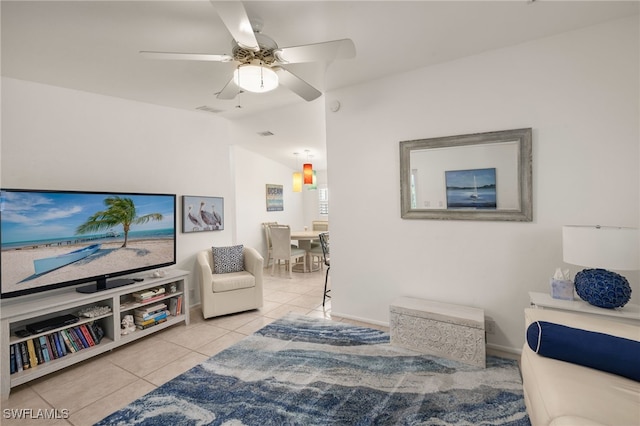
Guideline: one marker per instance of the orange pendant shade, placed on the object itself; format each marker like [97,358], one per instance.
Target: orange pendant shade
[307,171]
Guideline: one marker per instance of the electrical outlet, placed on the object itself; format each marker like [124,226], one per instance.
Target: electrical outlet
[490,326]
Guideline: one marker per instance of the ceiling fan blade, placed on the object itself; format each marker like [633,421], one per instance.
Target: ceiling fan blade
[297,85]
[186,56]
[327,51]
[229,91]
[234,16]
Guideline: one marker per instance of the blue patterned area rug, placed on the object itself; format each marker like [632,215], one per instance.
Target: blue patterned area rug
[306,371]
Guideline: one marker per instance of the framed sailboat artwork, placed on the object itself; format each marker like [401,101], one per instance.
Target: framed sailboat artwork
[471,189]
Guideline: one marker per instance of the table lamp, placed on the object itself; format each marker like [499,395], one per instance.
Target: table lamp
[601,248]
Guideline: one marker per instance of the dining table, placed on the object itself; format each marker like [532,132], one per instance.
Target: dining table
[304,239]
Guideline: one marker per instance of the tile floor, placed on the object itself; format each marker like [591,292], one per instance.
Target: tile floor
[93,389]
[97,387]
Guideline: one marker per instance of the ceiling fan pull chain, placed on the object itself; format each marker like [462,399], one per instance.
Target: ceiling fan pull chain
[239,90]
[261,76]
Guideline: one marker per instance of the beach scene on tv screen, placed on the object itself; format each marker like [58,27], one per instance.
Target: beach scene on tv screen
[50,238]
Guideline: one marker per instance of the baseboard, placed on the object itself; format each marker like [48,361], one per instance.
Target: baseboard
[504,351]
[365,321]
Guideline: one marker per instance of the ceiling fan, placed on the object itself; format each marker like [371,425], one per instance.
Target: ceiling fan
[261,64]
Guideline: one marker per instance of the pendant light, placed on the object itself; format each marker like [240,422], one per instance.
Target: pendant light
[314,185]
[307,170]
[297,177]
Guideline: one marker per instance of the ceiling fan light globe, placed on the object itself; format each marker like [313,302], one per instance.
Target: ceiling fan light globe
[255,78]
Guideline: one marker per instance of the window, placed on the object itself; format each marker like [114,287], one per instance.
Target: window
[323,198]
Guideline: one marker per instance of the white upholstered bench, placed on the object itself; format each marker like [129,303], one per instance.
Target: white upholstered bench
[449,331]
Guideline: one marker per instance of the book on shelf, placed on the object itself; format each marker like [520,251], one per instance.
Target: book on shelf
[147,294]
[149,316]
[93,334]
[86,334]
[18,357]
[59,343]
[25,355]
[83,341]
[74,336]
[12,359]
[149,309]
[154,323]
[67,341]
[151,299]
[50,350]
[175,305]
[45,349]
[52,346]
[156,318]
[38,350]
[33,359]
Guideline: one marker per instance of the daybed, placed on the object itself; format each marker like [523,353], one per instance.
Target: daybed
[562,393]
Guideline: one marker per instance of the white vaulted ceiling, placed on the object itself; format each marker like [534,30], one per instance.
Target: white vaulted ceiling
[93,46]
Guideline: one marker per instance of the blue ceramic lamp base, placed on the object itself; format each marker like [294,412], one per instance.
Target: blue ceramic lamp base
[602,288]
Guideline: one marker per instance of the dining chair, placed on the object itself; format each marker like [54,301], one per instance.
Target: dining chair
[320,225]
[324,243]
[282,249]
[267,236]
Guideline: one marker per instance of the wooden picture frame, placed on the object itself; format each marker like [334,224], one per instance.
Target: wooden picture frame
[424,164]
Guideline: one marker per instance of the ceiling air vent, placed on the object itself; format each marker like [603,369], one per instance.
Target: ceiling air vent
[265,133]
[209,109]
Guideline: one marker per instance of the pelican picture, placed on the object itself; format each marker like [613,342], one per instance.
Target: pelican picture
[202,214]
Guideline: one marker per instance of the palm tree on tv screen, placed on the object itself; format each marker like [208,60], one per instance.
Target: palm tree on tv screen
[120,211]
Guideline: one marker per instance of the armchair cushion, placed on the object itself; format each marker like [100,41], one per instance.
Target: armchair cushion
[233,281]
[228,259]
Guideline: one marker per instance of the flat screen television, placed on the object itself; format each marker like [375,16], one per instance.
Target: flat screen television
[52,239]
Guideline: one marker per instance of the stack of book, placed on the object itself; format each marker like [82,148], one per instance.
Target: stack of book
[150,315]
[175,305]
[39,350]
[149,295]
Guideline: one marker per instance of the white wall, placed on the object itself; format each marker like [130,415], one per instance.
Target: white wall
[251,173]
[579,93]
[55,138]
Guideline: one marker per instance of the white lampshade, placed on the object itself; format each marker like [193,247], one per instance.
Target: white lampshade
[605,247]
[255,78]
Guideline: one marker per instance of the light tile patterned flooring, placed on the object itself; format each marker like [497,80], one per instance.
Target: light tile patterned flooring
[97,387]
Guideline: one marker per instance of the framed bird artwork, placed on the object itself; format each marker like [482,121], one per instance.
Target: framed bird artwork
[202,213]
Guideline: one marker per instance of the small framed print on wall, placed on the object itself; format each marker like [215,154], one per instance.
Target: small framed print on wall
[202,213]
[274,198]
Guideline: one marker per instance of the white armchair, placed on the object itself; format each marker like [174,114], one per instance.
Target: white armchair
[232,292]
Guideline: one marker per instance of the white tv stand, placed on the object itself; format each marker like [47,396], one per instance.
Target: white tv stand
[15,314]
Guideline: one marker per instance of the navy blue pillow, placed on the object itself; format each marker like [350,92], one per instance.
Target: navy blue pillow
[601,351]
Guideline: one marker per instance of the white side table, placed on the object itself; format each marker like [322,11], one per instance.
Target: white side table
[629,313]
